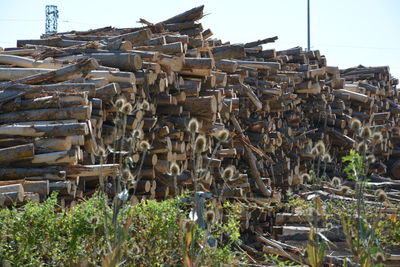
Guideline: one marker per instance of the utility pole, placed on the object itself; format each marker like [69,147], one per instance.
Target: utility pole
[51,19]
[308,25]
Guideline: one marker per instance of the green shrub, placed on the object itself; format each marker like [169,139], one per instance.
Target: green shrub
[148,234]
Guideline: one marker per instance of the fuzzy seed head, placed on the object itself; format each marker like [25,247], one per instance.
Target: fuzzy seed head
[362,148]
[306,177]
[119,103]
[326,158]
[174,169]
[145,105]
[345,189]
[366,132]
[101,152]
[228,173]
[377,137]
[126,174]
[210,216]
[222,136]
[380,195]
[193,126]
[379,257]
[320,147]
[127,109]
[355,125]
[203,174]
[336,182]
[200,145]
[314,213]
[144,145]
[371,159]
[314,151]
[188,225]
[138,134]
[118,121]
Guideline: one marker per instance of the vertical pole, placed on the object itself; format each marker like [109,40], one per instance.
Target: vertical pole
[308,25]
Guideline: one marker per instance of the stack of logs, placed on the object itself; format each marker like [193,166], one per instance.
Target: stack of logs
[57,109]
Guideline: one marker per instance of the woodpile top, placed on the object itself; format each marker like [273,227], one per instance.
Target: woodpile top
[259,110]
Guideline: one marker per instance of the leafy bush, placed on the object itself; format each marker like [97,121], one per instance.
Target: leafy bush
[151,234]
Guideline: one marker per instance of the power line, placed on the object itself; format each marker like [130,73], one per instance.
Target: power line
[308,25]
[23,20]
[359,47]
[82,23]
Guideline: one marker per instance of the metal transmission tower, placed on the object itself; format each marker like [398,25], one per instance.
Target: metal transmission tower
[308,26]
[51,19]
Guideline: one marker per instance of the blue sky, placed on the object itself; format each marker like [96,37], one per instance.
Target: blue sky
[348,32]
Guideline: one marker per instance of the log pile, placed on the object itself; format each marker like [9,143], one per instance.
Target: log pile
[60,124]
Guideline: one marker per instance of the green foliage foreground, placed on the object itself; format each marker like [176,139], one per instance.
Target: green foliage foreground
[149,234]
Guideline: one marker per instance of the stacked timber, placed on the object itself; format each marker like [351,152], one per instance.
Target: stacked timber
[63,125]
[59,93]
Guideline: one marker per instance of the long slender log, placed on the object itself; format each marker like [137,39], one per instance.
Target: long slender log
[252,96]
[260,42]
[69,72]
[16,153]
[29,63]
[252,161]
[53,144]
[123,61]
[113,76]
[42,130]
[59,157]
[55,88]
[190,15]
[78,113]
[93,170]
[50,173]
[46,102]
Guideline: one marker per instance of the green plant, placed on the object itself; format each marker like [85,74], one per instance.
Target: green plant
[360,232]
[148,234]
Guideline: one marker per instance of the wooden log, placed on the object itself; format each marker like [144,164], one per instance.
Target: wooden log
[53,144]
[113,76]
[123,61]
[226,65]
[190,15]
[260,42]
[259,65]
[55,41]
[202,105]
[108,91]
[252,162]
[63,187]
[353,95]
[252,96]
[93,170]
[63,74]
[25,62]
[53,88]
[46,102]
[40,187]
[16,153]
[173,63]
[135,37]
[78,113]
[198,63]
[41,130]
[59,157]
[228,52]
